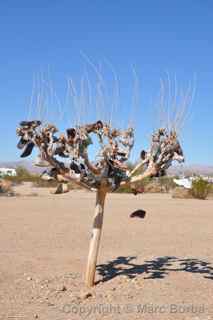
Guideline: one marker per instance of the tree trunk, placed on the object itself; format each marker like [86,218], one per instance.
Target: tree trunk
[96,236]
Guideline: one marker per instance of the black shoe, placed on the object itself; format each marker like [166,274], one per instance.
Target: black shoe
[75,167]
[28,150]
[138,214]
[30,124]
[21,143]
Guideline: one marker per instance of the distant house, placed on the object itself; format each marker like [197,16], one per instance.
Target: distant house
[7,172]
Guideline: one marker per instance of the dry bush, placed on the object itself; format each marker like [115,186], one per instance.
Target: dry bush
[200,189]
[22,175]
[167,183]
[154,187]
[210,194]
[181,193]
[159,185]
[39,183]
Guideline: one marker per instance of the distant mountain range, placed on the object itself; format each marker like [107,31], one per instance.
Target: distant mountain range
[22,163]
[174,170]
[206,170]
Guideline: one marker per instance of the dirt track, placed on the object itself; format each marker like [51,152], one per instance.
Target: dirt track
[159,267]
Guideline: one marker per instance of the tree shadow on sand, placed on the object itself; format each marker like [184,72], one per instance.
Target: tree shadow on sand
[157,268]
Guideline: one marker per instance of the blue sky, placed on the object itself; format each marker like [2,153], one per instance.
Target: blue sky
[155,37]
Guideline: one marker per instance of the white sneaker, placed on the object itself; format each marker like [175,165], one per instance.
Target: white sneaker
[39,162]
[75,176]
[45,176]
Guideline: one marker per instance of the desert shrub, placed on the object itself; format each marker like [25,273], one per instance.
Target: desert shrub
[210,194]
[39,183]
[124,189]
[181,193]
[211,188]
[22,175]
[167,183]
[200,189]
[154,187]
[137,185]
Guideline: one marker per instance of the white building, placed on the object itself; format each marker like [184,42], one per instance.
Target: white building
[7,172]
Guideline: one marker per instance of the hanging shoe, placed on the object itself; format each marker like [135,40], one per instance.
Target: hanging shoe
[28,150]
[46,176]
[39,162]
[22,143]
[75,176]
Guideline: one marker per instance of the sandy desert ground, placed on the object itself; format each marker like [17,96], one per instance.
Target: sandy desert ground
[160,267]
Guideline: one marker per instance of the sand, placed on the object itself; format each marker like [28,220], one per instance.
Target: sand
[158,267]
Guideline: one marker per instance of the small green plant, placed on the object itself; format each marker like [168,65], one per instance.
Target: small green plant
[200,189]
